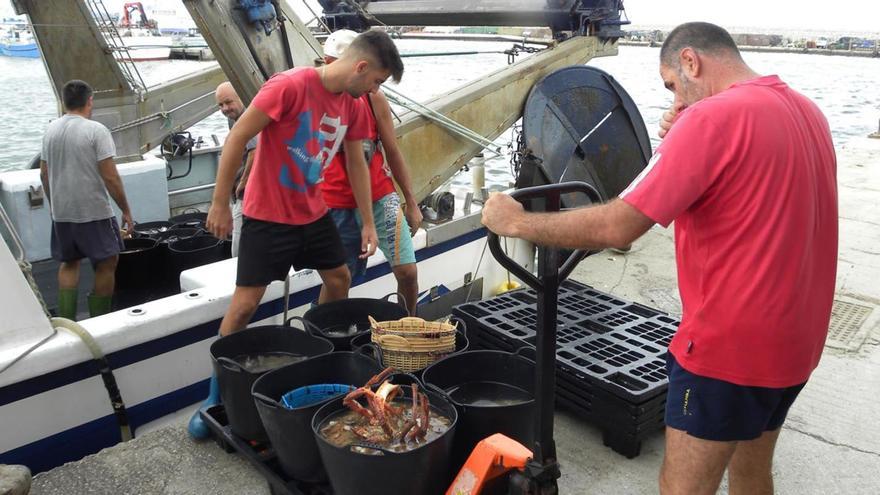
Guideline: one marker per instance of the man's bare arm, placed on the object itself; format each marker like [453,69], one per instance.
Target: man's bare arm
[616,223]
[396,163]
[44,178]
[246,172]
[113,183]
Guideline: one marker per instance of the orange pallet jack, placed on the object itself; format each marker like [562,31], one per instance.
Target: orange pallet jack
[498,459]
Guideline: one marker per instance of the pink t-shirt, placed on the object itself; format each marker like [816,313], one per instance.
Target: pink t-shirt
[749,176]
[308,126]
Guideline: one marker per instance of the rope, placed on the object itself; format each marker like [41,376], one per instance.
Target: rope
[441,120]
[27,270]
[23,264]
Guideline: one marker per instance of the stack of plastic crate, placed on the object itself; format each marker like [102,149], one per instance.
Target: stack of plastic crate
[611,355]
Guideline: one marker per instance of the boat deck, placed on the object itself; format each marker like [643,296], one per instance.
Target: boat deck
[829,443]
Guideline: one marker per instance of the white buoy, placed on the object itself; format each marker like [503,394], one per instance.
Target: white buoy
[478,176]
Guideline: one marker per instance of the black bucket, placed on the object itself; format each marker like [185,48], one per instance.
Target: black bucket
[177,233]
[136,282]
[235,381]
[191,252]
[290,430]
[498,375]
[340,321]
[195,220]
[423,471]
[152,229]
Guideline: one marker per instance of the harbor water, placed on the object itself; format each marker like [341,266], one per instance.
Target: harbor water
[843,87]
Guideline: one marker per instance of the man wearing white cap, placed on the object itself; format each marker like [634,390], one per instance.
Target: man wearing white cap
[394,227]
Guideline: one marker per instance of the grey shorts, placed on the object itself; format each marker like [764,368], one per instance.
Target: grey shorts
[97,240]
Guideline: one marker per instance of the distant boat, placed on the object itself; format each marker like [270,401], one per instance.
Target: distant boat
[140,35]
[145,44]
[17,41]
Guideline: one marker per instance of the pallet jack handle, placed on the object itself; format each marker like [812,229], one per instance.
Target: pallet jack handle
[552,194]
[540,475]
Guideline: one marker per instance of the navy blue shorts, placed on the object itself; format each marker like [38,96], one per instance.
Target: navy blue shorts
[718,410]
[97,240]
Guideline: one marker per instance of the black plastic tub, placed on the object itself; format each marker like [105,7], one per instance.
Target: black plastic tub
[290,430]
[501,401]
[191,252]
[152,229]
[423,471]
[136,280]
[235,381]
[191,220]
[177,233]
[340,321]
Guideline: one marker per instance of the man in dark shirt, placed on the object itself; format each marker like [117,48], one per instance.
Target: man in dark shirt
[231,107]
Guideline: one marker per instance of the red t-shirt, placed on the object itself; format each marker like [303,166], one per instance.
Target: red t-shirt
[308,126]
[337,189]
[749,176]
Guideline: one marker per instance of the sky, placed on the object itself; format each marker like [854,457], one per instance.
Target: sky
[850,16]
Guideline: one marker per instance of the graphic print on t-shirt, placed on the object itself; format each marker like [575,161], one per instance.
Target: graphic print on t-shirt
[308,165]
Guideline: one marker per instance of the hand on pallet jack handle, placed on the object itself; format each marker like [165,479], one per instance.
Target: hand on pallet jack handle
[551,193]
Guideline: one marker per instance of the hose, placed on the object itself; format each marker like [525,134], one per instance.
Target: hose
[105,370]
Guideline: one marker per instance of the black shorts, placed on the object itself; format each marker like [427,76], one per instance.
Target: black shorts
[267,250]
[718,410]
[97,240]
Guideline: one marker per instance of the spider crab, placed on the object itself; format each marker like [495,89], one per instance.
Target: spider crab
[387,423]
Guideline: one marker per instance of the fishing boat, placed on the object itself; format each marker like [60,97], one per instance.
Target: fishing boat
[144,45]
[17,41]
[152,358]
[140,36]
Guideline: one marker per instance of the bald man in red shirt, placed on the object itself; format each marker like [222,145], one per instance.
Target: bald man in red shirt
[748,173]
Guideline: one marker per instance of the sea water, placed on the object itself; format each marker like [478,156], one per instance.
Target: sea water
[844,88]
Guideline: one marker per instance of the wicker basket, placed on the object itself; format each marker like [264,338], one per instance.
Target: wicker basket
[410,344]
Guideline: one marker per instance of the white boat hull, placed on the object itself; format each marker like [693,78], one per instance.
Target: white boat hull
[53,405]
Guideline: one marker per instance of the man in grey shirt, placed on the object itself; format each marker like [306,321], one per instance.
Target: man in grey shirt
[78,172]
[231,107]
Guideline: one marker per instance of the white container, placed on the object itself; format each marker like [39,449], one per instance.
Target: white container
[146,189]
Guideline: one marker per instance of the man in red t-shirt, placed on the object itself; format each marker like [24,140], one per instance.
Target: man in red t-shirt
[394,227]
[748,173]
[304,116]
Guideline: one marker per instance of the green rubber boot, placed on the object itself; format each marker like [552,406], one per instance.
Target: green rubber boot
[67,303]
[99,305]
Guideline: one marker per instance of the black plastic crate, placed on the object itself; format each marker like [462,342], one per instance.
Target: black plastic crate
[626,443]
[614,344]
[260,455]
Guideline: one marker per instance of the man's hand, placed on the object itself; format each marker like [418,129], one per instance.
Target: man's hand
[413,216]
[219,220]
[502,214]
[369,241]
[669,118]
[127,222]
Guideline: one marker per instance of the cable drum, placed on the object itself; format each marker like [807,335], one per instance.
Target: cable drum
[579,124]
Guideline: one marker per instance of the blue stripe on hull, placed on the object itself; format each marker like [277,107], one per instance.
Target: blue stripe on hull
[88,438]
[76,443]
